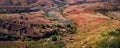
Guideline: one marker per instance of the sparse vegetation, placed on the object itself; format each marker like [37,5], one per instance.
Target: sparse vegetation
[41,26]
[115,43]
[53,38]
[115,33]
[110,43]
[59,24]
[103,11]
[46,44]
[71,28]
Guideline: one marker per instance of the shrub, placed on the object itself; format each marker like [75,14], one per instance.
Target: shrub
[41,27]
[118,30]
[103,11]
[29,39]
[48,34]
[108,44]
[115,33]
[53,38]
[112,33]
[71,28]
[59,26]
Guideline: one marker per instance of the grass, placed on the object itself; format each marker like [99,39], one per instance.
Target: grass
[47,44]
[71,28]
[53,38]
[115,33]
[92,36]
[108,42]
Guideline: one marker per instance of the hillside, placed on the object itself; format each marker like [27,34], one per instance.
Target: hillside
[47,2]
[59,23]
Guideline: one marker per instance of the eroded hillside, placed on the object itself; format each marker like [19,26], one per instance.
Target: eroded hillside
[91,20]
[70,26]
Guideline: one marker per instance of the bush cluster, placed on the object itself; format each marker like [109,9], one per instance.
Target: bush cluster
[107,43]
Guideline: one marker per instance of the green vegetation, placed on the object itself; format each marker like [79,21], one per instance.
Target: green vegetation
[103,11]
[114,33]
[41,26]
[53,38]
[115,43]
[59,26]
[71,28]
[29,39]
[111,39]
[42,44]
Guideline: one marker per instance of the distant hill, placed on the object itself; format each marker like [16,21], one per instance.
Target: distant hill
[47,2]
[16,2]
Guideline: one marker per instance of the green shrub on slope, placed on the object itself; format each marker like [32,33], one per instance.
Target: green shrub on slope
[112,40]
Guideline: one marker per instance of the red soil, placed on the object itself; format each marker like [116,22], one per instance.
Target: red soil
[80,21]
[20,44]
[80,14]
[88,11]
[99,20]
[75,12]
